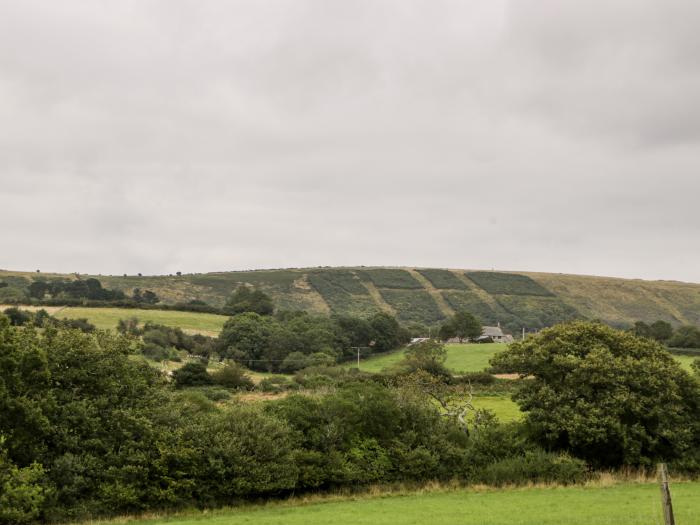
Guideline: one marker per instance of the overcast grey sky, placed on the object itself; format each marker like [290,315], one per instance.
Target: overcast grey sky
[545,135]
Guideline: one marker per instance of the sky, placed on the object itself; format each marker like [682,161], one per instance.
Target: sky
[180,135]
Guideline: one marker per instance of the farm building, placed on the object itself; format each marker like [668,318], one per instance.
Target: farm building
[494,334]
[489,334]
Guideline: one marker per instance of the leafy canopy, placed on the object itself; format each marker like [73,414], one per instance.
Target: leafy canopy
[607,396]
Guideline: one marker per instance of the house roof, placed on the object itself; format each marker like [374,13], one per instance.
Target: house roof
[491,331]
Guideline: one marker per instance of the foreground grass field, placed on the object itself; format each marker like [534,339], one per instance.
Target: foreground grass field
[460,358]
[208,324]
[621,504]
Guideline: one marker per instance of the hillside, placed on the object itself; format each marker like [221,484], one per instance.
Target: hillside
[532,300]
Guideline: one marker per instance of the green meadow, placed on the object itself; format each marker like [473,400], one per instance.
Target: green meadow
[618,504]
[208,324]
[460,358]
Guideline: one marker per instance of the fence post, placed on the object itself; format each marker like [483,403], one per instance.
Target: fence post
[666,504]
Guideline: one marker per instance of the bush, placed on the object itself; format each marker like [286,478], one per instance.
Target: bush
[192,374]
[233,376]
[534,467]
[21,492]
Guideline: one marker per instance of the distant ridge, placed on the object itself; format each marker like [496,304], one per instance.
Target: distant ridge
[423,295]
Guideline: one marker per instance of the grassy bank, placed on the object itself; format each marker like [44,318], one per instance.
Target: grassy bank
[619,504]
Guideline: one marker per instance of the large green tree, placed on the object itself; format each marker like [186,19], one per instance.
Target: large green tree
[607,396]
[246,299]
[462,325]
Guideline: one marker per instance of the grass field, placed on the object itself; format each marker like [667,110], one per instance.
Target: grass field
[460,358]
[685,361]
[208,324]
[619,504]
[505,409]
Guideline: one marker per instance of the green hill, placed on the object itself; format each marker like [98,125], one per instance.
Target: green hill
[514,299]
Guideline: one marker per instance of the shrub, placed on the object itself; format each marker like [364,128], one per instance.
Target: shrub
[21,492]
[192,374]
[233,376]
[534,467]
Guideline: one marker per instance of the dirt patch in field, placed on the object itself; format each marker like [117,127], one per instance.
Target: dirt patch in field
[256,397]
[506,376]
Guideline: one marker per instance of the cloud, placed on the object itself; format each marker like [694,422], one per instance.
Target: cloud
[156,136]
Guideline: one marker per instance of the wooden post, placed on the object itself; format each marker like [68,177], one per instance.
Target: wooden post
[666,504]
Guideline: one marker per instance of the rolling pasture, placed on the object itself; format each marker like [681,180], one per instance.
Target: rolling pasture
[105,318]
[460,358]
[618,504]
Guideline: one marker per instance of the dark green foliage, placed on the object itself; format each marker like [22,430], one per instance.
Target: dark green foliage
[144,297]
[534,466]
[392,278]
[685,337]
[661,331]
[462,325]
[192,374]
[21,491]
[606,396]
[295,340]
[245,299]
[427,355]
[413,306]
[18,317]
[76,324]
[442,279]
[507,283]
[232,376]
[386,333]
[75,289]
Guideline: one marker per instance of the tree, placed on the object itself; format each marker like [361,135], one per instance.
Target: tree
[685,337]
[245,299]
[462,325]
[232,376]
[661,331]
[428,356]
[387,334]
[609,397]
